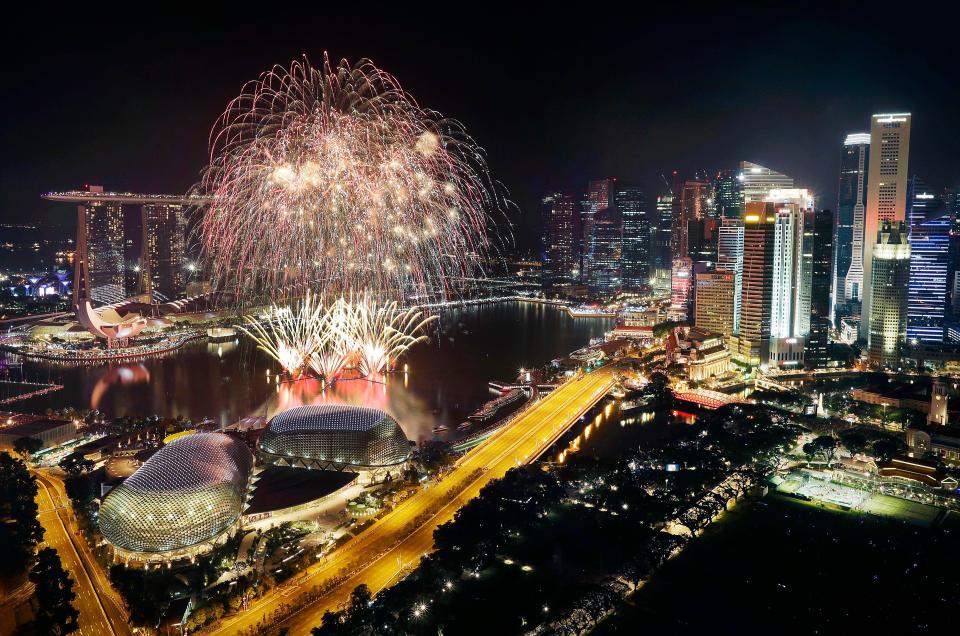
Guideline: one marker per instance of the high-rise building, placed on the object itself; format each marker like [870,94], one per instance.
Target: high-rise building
[851,208]
[605,253]
[759,220]
[922,202]
[929,267]
[886,195]
[562,237]
[792,263]
[714,307]
[889,275]
[692,201]
[817,352]
[632,208]
[660,235]
[728,195]
[730,259]
[681,288]
[163,262]
[757,181]
[598,198]
[98,265]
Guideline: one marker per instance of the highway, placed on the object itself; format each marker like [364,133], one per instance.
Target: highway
[101,611]
[396,542]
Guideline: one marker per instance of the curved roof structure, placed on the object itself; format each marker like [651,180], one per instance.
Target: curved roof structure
[107,323]
[334,436]
[189,493]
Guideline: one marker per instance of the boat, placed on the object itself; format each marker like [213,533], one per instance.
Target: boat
[464,425]
[498,407]
[439,428]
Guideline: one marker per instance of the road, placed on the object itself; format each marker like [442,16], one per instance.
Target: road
[396,542]
[99,605]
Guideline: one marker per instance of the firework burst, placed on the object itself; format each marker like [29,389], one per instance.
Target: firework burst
[334,179]
[358,332]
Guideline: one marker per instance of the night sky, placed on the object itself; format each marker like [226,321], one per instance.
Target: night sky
[556,97]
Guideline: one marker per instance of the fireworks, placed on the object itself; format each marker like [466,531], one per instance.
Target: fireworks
[358,332]
[334,179]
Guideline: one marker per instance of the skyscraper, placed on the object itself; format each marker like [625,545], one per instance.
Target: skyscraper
[598,198]
[730,259]
[714,308]
[632,207]
[889,275]
[660,248]
[163,260]
[817,352]
[98,266]
[851,207]
[922,202]
[606,249]
[886,194]
[757,181]
[758,237]
[562,237]
[691,202]
[681,288]
[927,293]
[728,195]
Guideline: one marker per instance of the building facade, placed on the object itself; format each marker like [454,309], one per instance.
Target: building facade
[714,306]
[821,276]
[98,265]
[851,209]
[757,288]
[163,262]
[890,273]
[929,268]
[631,205]
[562,236]
[886,195]
[730,259]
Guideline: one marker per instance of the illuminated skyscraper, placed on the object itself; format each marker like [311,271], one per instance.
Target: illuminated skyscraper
[714,308]
[889,276]
[728,195]
[757,181]
[98,266]
[632,208]
[660,248]
[929,265]
[606,249]
[562,237]
[164,250]
[681,289]
[758,237]
[730,259]
[598,198]
[851,208]
[817,352]
[886,196]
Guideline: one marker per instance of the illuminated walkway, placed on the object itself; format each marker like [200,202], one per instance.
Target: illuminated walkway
[397,541]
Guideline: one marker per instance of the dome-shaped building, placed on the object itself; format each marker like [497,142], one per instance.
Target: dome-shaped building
[181,502]
[334,437]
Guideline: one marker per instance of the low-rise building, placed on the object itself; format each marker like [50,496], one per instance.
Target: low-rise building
[50,432]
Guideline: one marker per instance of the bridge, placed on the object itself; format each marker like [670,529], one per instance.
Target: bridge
[380,555]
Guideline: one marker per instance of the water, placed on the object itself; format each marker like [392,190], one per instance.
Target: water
[447,379]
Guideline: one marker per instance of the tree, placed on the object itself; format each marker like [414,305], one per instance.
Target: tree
[20,531]
[54,589]
[76,464]
[27,445]
[854,441]
[824,446]
[886,447]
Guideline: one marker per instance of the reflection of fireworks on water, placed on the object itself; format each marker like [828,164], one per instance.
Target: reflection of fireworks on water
[334,179]
[359,332]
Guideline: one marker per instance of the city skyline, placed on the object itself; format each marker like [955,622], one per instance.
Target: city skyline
[151,140]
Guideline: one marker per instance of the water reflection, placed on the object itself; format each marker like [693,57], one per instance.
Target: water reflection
[446,379]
